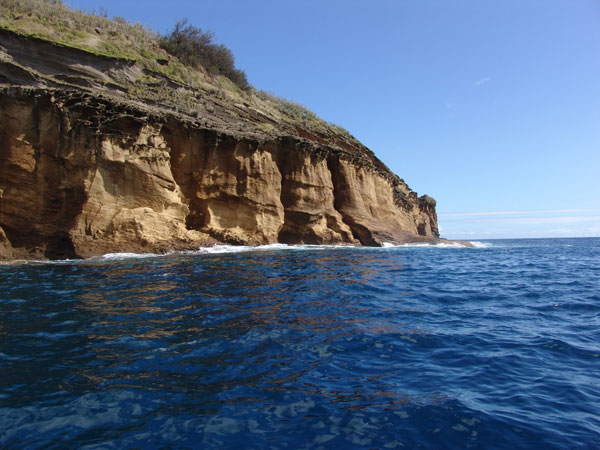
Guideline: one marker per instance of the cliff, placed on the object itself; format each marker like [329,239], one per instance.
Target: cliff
[101,154]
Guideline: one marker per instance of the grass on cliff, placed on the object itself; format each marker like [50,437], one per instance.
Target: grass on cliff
[187,56]
[93,32]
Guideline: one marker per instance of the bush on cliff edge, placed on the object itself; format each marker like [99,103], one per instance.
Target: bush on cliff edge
[195,48]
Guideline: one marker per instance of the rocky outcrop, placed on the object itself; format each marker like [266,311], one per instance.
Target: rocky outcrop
[84,173]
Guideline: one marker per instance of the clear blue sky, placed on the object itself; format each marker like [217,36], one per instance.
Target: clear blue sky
[490,106]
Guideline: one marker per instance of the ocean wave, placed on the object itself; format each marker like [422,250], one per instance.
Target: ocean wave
[427,245]
[126,255]
[232,249]
[41,261]
[478,244]
[220,248]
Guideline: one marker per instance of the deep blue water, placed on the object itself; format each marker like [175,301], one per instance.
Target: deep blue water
[495,347]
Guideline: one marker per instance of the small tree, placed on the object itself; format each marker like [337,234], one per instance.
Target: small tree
[195,48]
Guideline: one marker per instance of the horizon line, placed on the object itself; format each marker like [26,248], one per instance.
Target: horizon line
[513,212]
[471,239]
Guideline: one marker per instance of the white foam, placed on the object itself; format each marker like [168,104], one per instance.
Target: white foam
[222,249]
[478,244]
[218,248]
[424,245]
[125,255]
[45,261]
[225,249]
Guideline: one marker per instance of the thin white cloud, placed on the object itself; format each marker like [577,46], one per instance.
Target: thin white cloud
[509,213]
[527,223]
[482,81]
[556,233]
[552,220]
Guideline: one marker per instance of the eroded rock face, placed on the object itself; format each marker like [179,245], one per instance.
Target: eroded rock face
[81,175]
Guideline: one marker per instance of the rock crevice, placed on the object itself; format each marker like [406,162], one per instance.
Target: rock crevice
[86,170]
[83,177]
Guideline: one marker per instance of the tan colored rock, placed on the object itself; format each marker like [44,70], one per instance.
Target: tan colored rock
[368,203]
[131,194]
[309,201]
[81,175]
[232,187]
[70,190]
[6,250]
[91,162]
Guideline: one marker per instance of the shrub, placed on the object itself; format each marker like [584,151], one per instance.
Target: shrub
[195,48]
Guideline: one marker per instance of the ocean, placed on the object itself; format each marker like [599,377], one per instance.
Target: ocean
[276,347]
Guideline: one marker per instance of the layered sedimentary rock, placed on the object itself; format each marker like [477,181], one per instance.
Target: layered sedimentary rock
[83,173]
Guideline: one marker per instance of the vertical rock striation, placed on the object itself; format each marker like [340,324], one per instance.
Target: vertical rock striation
[82,175]
[86,168]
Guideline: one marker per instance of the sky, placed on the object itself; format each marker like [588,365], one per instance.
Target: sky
[492,107]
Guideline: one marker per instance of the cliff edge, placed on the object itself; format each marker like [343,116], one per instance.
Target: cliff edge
[102,154]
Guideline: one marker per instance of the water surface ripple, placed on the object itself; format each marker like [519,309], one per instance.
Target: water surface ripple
[494,347]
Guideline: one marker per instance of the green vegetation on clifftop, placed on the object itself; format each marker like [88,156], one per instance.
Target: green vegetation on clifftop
[196,49]
[183,70]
